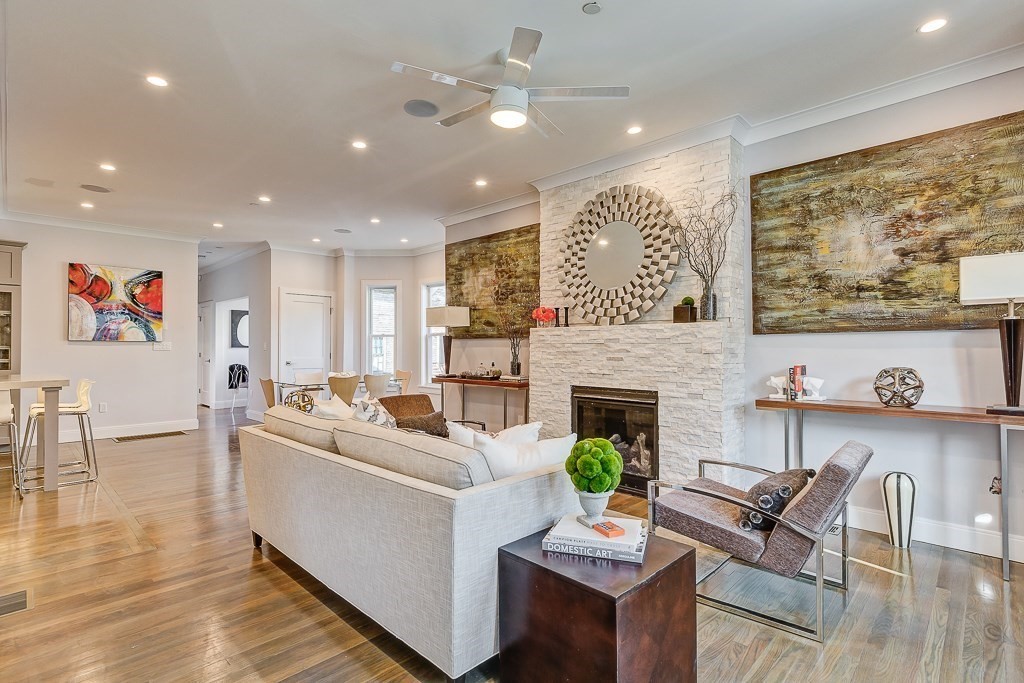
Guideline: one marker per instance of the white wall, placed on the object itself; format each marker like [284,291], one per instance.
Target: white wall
[955,463]
[145,390]
[294,270]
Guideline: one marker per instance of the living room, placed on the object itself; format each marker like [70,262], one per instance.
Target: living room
[803,229]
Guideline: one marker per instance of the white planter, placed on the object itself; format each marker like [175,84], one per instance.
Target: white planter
[594,505]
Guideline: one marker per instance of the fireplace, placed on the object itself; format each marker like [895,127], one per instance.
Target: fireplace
[629,419]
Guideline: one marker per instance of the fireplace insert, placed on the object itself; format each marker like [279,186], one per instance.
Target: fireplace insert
[629,419]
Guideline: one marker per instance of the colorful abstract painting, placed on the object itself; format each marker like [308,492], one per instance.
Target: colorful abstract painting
[871,240]
[108,303]
[473,267]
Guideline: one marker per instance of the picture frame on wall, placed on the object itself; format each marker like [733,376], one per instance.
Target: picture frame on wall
[114,304]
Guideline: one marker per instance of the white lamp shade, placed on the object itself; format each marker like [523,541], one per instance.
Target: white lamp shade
[448,316]
[992,279]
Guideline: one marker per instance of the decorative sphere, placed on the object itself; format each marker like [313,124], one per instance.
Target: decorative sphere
[899,387]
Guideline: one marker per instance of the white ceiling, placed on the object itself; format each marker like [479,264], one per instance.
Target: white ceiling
[266,97]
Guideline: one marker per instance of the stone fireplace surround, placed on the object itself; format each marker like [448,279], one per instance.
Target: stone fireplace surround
[696,368]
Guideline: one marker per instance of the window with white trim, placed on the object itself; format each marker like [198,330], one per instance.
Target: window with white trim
[433,345]
[381,328]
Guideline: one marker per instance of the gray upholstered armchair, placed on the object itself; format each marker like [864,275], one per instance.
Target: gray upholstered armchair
[709,511]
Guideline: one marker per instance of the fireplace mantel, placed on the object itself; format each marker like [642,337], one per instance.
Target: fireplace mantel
[696,368]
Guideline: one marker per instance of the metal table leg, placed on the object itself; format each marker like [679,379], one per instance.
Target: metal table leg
[799,450]
[442,397]
[786,427]
[526,407]
[463,393]
[1004,499]
[504,396]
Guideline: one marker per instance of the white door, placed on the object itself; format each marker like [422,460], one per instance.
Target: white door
[305,324]
[206,386]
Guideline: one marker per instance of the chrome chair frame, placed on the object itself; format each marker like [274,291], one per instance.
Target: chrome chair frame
[13,438]
[817,633]
[89,462]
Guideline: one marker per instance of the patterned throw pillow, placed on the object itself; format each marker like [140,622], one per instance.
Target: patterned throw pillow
[772,494]
[432,424]
[373,412]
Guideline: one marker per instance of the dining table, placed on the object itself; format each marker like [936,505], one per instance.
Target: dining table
[47,442]
[285,388]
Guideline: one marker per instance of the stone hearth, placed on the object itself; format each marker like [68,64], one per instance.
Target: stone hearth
[696,368]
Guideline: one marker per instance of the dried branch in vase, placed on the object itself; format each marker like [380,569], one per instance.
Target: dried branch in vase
[512,305]
[702,237]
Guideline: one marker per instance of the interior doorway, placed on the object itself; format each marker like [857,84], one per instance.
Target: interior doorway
[207,391]
[231,365]
[306,332]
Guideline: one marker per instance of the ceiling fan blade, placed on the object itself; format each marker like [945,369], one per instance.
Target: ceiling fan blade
[525,42]
[465,114]
[595,92]
[438,77]
[541,123]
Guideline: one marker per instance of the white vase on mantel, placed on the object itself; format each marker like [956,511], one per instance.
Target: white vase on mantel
[594,505]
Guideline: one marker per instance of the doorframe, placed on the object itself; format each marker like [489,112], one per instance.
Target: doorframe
[281,292]
[209,332]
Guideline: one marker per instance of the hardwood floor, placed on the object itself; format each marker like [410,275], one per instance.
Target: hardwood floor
[149,574]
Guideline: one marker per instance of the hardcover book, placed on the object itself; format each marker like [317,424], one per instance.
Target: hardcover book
[570,532]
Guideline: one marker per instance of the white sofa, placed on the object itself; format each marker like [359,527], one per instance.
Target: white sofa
[418,557]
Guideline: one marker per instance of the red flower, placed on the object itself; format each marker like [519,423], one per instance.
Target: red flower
[543,314]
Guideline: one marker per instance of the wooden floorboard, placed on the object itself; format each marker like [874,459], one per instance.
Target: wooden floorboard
[149,574]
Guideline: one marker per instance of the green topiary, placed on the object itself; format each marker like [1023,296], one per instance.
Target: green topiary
[594,466]
[687,301]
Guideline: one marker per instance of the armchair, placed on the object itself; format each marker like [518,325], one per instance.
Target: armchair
[709,511]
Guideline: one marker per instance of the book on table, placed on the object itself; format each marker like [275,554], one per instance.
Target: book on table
[570,537]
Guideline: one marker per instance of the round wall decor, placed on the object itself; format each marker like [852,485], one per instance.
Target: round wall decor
[618,255]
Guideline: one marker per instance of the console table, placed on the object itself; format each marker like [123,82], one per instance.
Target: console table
[794,447]
[506,385]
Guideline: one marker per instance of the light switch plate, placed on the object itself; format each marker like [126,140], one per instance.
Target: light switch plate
[162,346]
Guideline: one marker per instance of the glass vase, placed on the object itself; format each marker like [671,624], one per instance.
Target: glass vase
[709,302]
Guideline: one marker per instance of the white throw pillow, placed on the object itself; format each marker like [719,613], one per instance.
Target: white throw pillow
[528,433]
[333,409]
[506,460]
[373,412]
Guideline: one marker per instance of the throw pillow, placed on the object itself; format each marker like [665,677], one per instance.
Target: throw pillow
[373,412]
[528,433]
[508,459]
[772,494]
[432,424]
[333,409]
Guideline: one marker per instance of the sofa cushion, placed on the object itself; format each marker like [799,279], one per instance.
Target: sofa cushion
[510,459]
[310,430]
[422,456]
[431,424]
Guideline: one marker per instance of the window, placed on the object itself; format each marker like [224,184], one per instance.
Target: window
[433,356]
[382,325]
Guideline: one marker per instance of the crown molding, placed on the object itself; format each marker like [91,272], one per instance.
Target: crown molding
[515,202]
[235,258]
[418,251]
[937,80]
[54,221]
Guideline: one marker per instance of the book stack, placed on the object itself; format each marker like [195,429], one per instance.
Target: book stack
[796,382]
[570,537]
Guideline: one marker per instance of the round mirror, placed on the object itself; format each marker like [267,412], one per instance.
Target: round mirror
[615,255]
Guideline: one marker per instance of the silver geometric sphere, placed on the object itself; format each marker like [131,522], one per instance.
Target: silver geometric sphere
[899,387]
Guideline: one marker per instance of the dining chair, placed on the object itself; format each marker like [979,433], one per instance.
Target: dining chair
[238,377]
[309,379]
[88,465]
[344,387]
[403,377]
[7,420]
[376,385]
[269,393]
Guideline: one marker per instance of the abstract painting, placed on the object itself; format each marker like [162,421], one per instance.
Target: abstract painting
[109,303]
[473,267]
[871,240]
[239,329]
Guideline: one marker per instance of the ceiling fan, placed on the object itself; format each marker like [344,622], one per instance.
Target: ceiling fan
[511,104]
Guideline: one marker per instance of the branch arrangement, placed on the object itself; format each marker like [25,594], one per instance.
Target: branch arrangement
[512,305]
[702,236]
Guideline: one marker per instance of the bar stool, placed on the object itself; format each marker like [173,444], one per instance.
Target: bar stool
[79,409]
[7,420]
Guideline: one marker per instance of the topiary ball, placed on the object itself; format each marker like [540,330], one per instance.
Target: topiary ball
[600,483]
[570,464]
[588,466]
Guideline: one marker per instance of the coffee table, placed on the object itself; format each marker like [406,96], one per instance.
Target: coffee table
[569,618]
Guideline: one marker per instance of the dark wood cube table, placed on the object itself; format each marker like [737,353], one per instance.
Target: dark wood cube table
[570,618]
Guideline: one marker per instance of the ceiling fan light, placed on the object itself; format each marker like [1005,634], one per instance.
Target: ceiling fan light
[508,106]
[508,116]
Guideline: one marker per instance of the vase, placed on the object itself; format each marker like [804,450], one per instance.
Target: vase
[709,302]
[515,367]
[593,505]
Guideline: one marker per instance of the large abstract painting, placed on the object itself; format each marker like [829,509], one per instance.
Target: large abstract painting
[473,268]
[107,303]
[871,240]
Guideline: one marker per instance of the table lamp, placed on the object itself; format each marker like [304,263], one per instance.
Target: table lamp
[999,279]
[448,317]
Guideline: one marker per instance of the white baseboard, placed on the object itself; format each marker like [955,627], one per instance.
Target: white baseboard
[970,539]
[256,415]
[72,435]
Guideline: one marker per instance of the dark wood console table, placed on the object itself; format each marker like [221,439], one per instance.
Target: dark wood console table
[795,446]
[519,385]
[569,618]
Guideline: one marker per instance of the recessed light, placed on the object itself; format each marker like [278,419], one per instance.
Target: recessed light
[157,81]
[375,220]
[86,205]
[316,239]
[403,240]
[263,198]
[633,130]
[933,25]
[591,8]
[108,167]
[359,144]
[218,225]
[481,183]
